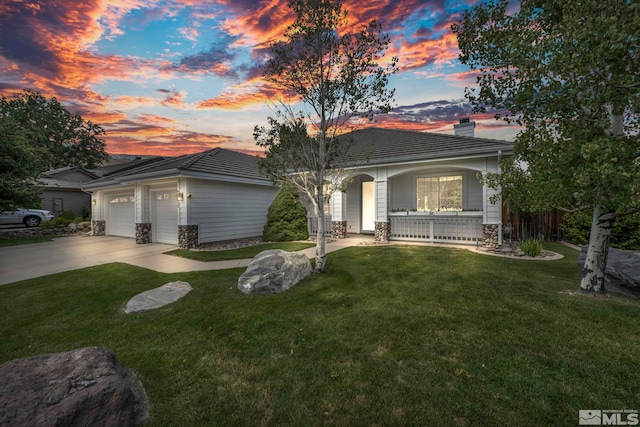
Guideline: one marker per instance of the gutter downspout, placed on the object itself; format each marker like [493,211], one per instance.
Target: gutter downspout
[501,219]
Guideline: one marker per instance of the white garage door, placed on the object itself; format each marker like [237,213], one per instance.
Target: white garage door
[165,221]
[121,217]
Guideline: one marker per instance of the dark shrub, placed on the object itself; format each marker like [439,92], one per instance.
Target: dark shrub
[286,217]
[625,233]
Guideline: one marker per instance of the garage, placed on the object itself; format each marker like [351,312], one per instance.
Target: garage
[121,215]
[165,217]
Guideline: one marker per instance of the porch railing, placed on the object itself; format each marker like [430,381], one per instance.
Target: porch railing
[312,225]
[466,229]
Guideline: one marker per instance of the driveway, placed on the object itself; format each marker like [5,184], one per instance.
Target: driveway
[69,253]
[23,262]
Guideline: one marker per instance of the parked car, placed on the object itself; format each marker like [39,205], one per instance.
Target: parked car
[28,217]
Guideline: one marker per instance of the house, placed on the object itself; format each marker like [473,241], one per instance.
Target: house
[62,190]
[211,196]
[421,187]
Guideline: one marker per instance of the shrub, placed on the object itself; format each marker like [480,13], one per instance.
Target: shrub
[85,213]
[56,222]
[67,215]
[531,247]
[625,233]
[286,217]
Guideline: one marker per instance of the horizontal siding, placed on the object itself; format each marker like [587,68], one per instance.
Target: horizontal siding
[228,211]
[72,201]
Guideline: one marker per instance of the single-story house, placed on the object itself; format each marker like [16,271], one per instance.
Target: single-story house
[206,197]
[420,186]
[62,190]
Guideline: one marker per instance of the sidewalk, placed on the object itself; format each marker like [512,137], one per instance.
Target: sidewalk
[23,262]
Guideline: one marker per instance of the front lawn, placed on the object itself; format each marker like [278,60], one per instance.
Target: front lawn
[26,240]
[390,335]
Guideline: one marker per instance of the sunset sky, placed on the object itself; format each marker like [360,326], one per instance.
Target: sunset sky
[171,77]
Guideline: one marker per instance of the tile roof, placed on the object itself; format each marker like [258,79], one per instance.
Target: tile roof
[217,161]
[383,146]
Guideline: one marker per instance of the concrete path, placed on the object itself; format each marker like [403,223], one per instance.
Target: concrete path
[23,262]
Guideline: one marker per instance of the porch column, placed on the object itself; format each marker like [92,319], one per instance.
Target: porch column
[339,215]
[383,226]
[491,219]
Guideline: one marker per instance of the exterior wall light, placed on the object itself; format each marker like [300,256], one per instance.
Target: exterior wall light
[94,202]
[180,197]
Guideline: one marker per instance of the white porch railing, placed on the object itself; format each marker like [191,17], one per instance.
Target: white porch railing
[463,228]
[312,225]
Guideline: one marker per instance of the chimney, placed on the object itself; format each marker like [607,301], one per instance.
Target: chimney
[465,127]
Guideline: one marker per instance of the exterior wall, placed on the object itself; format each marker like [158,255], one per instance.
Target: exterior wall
[226,211]
[72,200]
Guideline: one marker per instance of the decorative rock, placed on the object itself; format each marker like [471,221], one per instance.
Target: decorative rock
[622,273]
[158,297]
[84,387]
[274,271]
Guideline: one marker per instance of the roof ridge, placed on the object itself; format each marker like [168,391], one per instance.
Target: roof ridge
[195,157]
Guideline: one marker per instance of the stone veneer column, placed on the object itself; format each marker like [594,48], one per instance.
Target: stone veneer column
[382,232]
[143,233]
[490,237]
[339,229]
[188,236]
[99,227]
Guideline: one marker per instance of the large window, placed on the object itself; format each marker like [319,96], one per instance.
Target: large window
[439,193]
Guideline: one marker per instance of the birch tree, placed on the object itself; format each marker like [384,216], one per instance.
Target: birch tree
[332,75]
[569,71]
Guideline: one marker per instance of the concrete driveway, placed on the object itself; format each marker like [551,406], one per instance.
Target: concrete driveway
[70,253]
[23,262]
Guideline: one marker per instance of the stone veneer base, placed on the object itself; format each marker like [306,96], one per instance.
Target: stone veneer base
[339,229]
[188,236]
[382,232]
[99,228]
[143,233]
[491,236]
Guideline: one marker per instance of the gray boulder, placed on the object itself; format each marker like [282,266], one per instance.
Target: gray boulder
[274,271]
[84,387]
[158,297]
[623,271]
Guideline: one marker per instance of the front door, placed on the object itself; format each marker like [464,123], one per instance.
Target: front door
[368,206]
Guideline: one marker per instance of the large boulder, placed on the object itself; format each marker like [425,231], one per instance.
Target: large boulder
[274,271]
[622,273]
[158,297]
[84,387]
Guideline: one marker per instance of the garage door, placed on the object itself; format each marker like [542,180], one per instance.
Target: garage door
[165,221]
[121,217]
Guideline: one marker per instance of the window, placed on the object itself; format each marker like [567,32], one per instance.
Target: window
[439,193]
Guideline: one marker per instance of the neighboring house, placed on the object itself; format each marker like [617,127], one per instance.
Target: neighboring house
[420,187]
[62,190]
[211,196]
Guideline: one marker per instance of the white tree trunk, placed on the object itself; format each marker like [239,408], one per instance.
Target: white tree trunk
[321,257]
[595,264]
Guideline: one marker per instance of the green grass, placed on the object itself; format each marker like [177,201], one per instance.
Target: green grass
[390,335]
[26,240]
[240,253]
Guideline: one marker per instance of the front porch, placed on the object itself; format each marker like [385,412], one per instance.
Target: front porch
[445,227]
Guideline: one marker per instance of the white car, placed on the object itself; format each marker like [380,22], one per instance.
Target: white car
[28,217]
